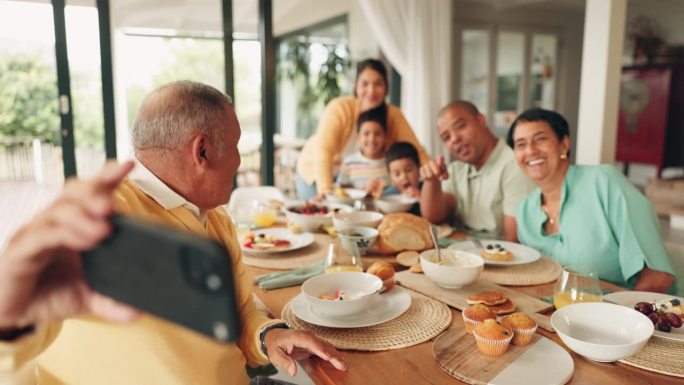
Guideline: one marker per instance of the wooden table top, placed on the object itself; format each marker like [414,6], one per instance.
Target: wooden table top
[416,365]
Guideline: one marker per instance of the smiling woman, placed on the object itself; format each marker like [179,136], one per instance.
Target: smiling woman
[588,216]
[324,150]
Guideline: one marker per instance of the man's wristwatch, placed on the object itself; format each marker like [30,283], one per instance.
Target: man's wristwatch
[262,334]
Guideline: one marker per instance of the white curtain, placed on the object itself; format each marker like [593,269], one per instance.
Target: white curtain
[416,37]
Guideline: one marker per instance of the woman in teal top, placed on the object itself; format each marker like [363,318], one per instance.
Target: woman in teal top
[590,217]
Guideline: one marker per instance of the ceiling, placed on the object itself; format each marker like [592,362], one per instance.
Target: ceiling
[205,15]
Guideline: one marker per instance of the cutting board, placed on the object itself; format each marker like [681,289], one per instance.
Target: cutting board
[456,298]
[543,362]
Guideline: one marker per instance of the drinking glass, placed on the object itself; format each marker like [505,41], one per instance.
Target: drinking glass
[263,215]
[241,219]
[338,260]
[576,286]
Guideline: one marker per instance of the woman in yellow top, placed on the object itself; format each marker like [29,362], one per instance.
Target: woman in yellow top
[336,128]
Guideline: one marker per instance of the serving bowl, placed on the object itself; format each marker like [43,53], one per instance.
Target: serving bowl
[344,221]
[457,268]
[394,203]
[362,237]
[362,291]
[602,331]
[312,221]
[345,196]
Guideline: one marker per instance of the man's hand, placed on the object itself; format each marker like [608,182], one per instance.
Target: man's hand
[434,170]
[41,276]
[286,346]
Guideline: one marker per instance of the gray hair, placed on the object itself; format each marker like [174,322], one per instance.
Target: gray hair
[174,113]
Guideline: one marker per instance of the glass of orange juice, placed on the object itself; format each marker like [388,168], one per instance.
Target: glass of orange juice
[575,286]
[262,215]
[338,260]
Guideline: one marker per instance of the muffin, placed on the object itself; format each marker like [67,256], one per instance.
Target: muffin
[475,314]
[492,338]
[523,328]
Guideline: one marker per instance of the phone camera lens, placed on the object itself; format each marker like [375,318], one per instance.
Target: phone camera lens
[220,331]
[214,282]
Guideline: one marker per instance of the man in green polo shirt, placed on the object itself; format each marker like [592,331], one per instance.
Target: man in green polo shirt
[482,187]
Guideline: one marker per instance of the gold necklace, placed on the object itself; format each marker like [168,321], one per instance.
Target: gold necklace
[551,218]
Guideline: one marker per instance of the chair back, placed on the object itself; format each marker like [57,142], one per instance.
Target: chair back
[243,196]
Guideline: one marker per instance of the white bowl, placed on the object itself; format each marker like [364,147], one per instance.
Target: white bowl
[458,268]
[601,331]
[313,222]
[363,237]
[362,289]
[394,203]
[343,221]
[353,195]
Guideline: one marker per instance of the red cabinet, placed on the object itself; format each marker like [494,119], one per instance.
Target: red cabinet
[651,116]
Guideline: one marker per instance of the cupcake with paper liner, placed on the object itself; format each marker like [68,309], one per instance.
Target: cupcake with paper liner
[492,338]
[475,314]
[523,328]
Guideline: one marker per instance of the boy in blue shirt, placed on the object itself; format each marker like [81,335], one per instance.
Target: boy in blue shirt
[403,166]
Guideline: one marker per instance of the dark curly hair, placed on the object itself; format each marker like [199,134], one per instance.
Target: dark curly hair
[555,120]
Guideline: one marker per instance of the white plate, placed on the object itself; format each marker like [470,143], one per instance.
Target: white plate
[521,254]
[630,298]
[297,241]
[393,304]
[545,362]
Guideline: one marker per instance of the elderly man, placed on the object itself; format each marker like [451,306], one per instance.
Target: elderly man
[482,187]
[185,138]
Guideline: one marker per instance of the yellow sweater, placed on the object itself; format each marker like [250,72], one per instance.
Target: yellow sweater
[324,149]
[88,350]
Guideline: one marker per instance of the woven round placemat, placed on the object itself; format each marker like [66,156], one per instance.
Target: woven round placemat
[309,255]
[424,320]
[660,356]
[541,271]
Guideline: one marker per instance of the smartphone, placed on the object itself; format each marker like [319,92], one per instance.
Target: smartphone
[172,274]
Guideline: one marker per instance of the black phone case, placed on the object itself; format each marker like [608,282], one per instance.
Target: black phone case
[172,274]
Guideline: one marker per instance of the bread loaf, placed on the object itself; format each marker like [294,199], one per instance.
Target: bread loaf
[403,231]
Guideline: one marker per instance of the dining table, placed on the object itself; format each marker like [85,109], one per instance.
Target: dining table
[417,365]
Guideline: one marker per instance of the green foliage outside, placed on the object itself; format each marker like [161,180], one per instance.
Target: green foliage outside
[190,59]
[312,89]
[28,98]
[29,102]
[202,60]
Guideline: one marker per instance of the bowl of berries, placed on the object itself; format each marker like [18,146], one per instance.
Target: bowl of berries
[311,216]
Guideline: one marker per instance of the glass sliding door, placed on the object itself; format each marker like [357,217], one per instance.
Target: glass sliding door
[505,71]
[509,80]
[544,70]
[31,166]
[83,46]
[475,68]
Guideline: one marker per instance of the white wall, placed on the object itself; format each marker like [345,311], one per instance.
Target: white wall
[307,12]
[668,13]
